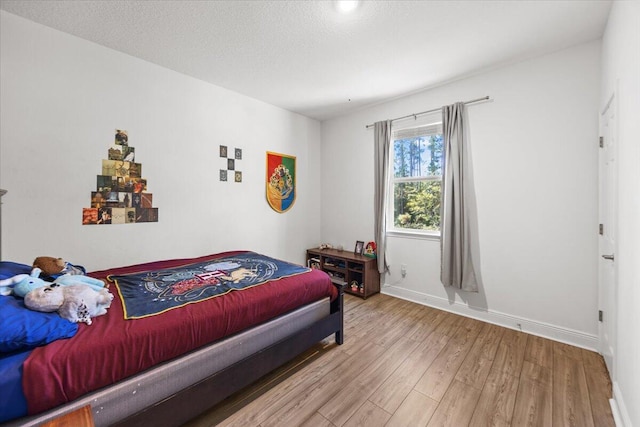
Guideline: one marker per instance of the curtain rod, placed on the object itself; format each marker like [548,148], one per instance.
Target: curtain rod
[433,110]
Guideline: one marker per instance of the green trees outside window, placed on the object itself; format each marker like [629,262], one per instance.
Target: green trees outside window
[417,182]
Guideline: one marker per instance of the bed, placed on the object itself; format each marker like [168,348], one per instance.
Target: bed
[168,364]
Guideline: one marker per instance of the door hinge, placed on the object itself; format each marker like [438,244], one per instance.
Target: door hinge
[602,142]
[600,315]
[601,229]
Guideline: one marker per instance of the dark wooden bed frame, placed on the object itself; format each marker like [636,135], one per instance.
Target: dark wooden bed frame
[198,398]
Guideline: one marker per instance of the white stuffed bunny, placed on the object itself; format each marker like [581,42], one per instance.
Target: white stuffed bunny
[76,303]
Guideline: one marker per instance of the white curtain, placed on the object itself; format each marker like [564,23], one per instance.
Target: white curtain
[382,135]
[459,233]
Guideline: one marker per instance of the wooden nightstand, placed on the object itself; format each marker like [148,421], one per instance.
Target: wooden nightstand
[82,417]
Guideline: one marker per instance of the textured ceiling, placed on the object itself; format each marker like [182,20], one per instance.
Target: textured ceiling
[306,57]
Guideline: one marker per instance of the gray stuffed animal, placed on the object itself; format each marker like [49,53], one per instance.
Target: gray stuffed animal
[76,303]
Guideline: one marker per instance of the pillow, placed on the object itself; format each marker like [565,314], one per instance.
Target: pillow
[23,329]
[10,269]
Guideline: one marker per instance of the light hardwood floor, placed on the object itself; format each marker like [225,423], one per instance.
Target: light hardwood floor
[404,364]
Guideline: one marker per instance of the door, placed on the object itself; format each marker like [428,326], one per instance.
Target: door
[607,292]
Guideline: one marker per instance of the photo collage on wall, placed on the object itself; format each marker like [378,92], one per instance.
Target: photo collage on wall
[120,195]
[231,173]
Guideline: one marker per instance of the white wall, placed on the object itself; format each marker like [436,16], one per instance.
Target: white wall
[61,99]
[621,73]
[534,150]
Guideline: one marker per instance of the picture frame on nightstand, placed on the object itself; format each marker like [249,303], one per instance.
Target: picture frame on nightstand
[359,248]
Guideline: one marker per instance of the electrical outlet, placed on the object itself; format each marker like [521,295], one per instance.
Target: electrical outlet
[403,270]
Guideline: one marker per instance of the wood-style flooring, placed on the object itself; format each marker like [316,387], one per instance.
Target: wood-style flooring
[404,364]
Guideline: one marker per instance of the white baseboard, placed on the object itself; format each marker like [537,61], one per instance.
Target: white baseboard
[618,408]
[556,333]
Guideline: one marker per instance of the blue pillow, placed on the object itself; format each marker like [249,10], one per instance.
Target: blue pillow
[10,269]
[22,329]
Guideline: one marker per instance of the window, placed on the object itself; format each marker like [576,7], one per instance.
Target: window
[416,180]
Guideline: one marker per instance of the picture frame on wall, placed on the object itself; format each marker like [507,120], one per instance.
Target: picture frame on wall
[359,247]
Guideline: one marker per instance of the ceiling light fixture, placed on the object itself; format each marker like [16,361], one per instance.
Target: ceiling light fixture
[347,6]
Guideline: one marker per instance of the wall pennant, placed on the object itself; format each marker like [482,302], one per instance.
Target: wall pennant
[281,181]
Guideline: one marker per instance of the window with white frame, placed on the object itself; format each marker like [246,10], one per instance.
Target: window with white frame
[415,180]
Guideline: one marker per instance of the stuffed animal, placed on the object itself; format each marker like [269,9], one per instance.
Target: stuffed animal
[5,287]
[24,283]
[20,284]
[76,303]
[54,267]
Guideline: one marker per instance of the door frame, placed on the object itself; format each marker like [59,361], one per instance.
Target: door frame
[607,297]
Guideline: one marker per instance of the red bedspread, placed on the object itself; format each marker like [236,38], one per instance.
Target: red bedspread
[112,348]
